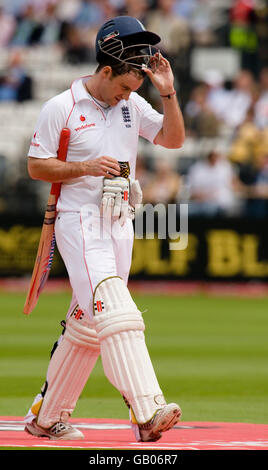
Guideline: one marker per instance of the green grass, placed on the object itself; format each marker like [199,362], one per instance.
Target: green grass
[210,356]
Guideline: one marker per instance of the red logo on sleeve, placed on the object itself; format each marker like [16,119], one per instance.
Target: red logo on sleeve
[34,144]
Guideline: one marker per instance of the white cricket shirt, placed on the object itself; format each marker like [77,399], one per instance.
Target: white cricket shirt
[94,133]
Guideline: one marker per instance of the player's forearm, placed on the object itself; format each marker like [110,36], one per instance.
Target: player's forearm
[53,170]
[172,134]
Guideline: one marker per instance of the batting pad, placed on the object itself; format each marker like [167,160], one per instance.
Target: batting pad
[69,369]
[126,362]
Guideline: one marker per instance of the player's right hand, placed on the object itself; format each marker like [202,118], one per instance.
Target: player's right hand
[103,166]
[115,199]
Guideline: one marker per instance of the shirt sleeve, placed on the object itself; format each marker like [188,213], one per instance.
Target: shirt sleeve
[45,139]
[150,120]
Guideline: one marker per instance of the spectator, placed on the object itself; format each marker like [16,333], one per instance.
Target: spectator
[7,89]
[15,83]
[173,29]
[217,95]
[29,28]
[109,9]
[230,106]
[13,7]
[257,193]
[7,27]
[247,151]
[136,8]
[242,12]
[90,14]
[3,182]
[40,6]
[51,25]
[244,148]
[243,34]
[164,184]
[211,185]
[3,171]
[200,119]
[76,50]
[239,99]
[68,10]
[185,8]
[84,26]
[142,173]
[261,12]
[205,18]
[261,106]
[175,45]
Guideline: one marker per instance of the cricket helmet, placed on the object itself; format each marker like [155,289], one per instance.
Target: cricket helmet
[125,39]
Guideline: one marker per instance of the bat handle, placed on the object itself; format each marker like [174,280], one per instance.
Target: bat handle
[62,155]
[63,143]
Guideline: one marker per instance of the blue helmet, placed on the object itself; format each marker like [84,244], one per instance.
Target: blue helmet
[122,33]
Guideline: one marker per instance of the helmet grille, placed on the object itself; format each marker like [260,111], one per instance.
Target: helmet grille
[136,55]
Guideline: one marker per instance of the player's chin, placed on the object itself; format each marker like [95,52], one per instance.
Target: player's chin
[115,101]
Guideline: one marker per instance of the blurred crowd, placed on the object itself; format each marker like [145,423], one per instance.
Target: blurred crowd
[228,182]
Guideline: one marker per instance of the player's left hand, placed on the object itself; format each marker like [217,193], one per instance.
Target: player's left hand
[161,75]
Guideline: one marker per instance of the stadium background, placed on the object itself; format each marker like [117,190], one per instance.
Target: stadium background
[207,330]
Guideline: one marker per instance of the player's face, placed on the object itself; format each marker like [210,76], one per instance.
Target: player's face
[115,89]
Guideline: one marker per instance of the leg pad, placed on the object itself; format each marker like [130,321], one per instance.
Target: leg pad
[125,357]
[68,371]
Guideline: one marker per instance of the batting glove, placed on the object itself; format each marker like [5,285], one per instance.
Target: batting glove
[115,199]
[135,197]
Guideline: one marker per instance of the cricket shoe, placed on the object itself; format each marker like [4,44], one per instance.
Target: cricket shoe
[59,431]
[163,420]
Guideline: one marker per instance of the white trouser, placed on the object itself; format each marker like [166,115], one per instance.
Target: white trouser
[90,258]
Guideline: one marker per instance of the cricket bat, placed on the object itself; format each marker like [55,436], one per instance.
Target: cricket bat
[46,246]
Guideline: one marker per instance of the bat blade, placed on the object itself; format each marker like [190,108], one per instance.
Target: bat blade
[46,246]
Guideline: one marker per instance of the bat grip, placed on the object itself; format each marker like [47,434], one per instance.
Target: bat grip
[62,155]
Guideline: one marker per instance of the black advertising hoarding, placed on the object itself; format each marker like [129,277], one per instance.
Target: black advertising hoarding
[217,249]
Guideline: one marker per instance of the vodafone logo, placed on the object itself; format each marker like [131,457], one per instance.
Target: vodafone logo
[85,126]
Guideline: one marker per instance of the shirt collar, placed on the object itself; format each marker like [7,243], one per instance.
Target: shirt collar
[78,90]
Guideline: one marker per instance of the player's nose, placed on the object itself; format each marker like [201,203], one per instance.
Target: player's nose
[126,95]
